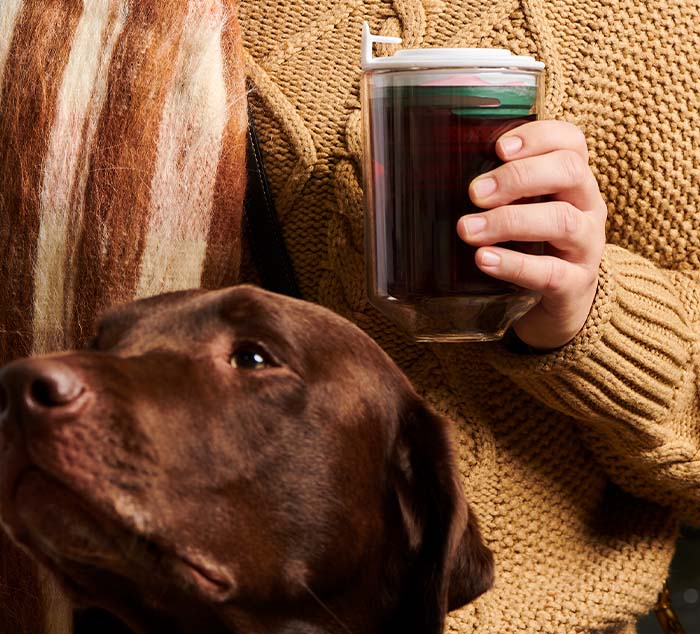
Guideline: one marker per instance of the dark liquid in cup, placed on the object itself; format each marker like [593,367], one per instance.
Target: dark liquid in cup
[425,156]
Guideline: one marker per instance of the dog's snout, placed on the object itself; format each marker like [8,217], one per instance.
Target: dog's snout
[39,387]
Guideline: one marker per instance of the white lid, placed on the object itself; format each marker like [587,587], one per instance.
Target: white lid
[441,57]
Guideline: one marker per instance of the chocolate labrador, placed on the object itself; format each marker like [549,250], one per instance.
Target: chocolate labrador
[237,461]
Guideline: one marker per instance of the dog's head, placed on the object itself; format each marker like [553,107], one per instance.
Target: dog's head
[238,460]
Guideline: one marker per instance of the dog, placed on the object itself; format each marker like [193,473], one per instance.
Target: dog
[237,461]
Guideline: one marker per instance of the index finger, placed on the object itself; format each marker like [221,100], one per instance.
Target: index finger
[541,137]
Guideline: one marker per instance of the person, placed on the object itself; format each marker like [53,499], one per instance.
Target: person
[578,437]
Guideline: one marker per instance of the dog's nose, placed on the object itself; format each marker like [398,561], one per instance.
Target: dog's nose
[38,387]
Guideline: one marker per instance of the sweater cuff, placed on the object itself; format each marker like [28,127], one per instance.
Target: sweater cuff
[629,360]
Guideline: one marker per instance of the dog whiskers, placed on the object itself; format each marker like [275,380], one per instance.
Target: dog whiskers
[315,597]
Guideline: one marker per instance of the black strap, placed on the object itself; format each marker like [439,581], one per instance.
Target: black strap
[262,226]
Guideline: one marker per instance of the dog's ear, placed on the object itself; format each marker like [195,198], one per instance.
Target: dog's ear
[450,565]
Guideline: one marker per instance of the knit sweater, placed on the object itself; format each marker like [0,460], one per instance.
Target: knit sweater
[580,462]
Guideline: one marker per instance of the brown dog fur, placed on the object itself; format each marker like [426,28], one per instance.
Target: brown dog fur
[307,488]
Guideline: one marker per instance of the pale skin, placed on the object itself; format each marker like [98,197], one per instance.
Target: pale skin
[542,158]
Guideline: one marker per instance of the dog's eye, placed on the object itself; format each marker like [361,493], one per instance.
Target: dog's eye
[250,357]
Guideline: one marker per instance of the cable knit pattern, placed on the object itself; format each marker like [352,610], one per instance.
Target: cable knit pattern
[629,378]
[578,462]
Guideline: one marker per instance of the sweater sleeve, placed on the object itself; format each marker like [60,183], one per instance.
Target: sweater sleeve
[630,379]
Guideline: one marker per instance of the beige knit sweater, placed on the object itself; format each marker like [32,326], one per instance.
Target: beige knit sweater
[579,463]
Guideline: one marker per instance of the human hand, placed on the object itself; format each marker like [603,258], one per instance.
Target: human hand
[542,158]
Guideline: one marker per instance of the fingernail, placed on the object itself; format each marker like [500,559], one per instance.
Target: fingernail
[474,224]
[484,187]
[511,144]
[489,258]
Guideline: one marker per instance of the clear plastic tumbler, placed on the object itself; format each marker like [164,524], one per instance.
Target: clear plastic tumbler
[431,120]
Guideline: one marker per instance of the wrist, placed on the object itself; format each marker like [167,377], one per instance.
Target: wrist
[552,324]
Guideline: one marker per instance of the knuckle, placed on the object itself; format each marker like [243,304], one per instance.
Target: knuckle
[520,269]
[519,175]
[567,219]
[555,275]
[573,167]
[509,220]
[579,139]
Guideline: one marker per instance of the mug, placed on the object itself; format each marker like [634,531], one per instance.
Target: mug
[431,118]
